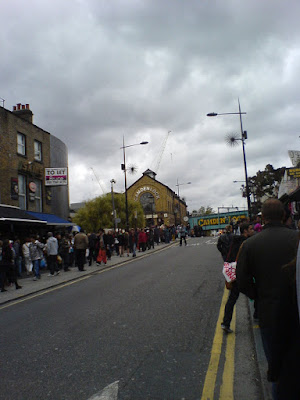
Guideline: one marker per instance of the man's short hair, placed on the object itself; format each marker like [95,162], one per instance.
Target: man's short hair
[228,229]
[272,210]
[244,227]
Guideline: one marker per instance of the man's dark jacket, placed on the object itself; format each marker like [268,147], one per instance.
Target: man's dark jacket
[224,243]
[259,267]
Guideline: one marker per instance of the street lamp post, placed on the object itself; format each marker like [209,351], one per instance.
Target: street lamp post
[123,167]
[113,203]
[242,139]
[180,184]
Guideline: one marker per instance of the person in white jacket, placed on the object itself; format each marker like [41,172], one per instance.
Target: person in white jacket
[52,251]
[26,255]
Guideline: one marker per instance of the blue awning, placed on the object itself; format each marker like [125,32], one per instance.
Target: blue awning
[11,214]
[51,219]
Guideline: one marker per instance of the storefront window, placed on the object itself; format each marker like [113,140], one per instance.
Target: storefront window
[22,191]
[38,196]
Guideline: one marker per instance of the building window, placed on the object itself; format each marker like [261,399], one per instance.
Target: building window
[37,150]
[22,191]
[38,197]
[148,203]
[21,144]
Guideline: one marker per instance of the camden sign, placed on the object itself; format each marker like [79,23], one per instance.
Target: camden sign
[146,189]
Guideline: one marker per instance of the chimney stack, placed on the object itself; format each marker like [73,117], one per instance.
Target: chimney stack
[23,111]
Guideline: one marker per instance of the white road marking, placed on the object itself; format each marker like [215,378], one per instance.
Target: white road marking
[110,392]
[209,242]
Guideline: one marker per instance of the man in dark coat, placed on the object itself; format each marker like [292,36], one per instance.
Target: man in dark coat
[259,267]
[224,242]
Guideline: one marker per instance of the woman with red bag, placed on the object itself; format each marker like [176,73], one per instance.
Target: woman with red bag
[101,257]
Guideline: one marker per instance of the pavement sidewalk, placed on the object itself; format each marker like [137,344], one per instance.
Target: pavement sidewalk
[260,355]
[30,287]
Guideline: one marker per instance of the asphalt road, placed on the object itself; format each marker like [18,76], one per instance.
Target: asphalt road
[148,324]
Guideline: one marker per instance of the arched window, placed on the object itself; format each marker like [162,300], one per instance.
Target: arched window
[148,203]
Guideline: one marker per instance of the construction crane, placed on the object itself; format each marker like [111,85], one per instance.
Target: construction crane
[98,180]
[162,149]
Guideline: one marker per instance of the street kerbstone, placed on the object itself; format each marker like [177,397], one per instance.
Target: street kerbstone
[30,287]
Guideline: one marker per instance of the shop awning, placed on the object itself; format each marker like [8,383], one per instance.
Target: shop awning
[13,214]
[50,219]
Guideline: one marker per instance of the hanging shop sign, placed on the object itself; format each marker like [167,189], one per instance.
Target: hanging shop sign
[56,176]
[146,189]
[32,190]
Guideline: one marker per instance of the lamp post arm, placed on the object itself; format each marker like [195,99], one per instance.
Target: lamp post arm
[213,114]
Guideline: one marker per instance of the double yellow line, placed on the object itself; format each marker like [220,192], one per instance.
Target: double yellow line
[226,389]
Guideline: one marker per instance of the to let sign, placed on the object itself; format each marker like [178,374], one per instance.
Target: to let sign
[56,176]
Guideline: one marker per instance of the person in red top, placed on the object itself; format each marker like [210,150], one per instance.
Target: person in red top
[142,240]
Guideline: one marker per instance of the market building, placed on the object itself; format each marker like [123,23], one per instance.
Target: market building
[33,170]
[160,204]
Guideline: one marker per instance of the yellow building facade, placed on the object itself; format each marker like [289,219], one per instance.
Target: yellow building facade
[160,204]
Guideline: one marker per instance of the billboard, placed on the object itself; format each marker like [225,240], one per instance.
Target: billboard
[56,176]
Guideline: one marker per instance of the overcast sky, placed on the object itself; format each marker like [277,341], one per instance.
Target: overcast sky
[93,71]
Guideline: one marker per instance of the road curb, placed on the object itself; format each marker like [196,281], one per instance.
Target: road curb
[87,273]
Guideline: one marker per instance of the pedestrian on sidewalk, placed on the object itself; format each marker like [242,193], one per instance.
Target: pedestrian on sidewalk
[36,254]
[80,245]
[18,256]
[52,252]
[101,248]
[224,242]
[237,240]
[259,266]
[110,244]
[142,240]
[156,235]
[133,239]
[7,266]
[126,242]
[26,255]
[92,237]
[64,251]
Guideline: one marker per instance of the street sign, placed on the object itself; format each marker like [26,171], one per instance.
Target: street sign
[118,220]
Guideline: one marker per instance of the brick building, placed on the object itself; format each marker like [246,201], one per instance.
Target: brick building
[160,204]
[25,151]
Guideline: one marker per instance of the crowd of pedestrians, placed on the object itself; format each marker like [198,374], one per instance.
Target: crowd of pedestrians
[266,256]
[60,251]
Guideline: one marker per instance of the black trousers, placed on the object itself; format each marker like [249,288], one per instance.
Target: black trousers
[233,296]
[80,258]
[3,270]
[182,237]
[52,264]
